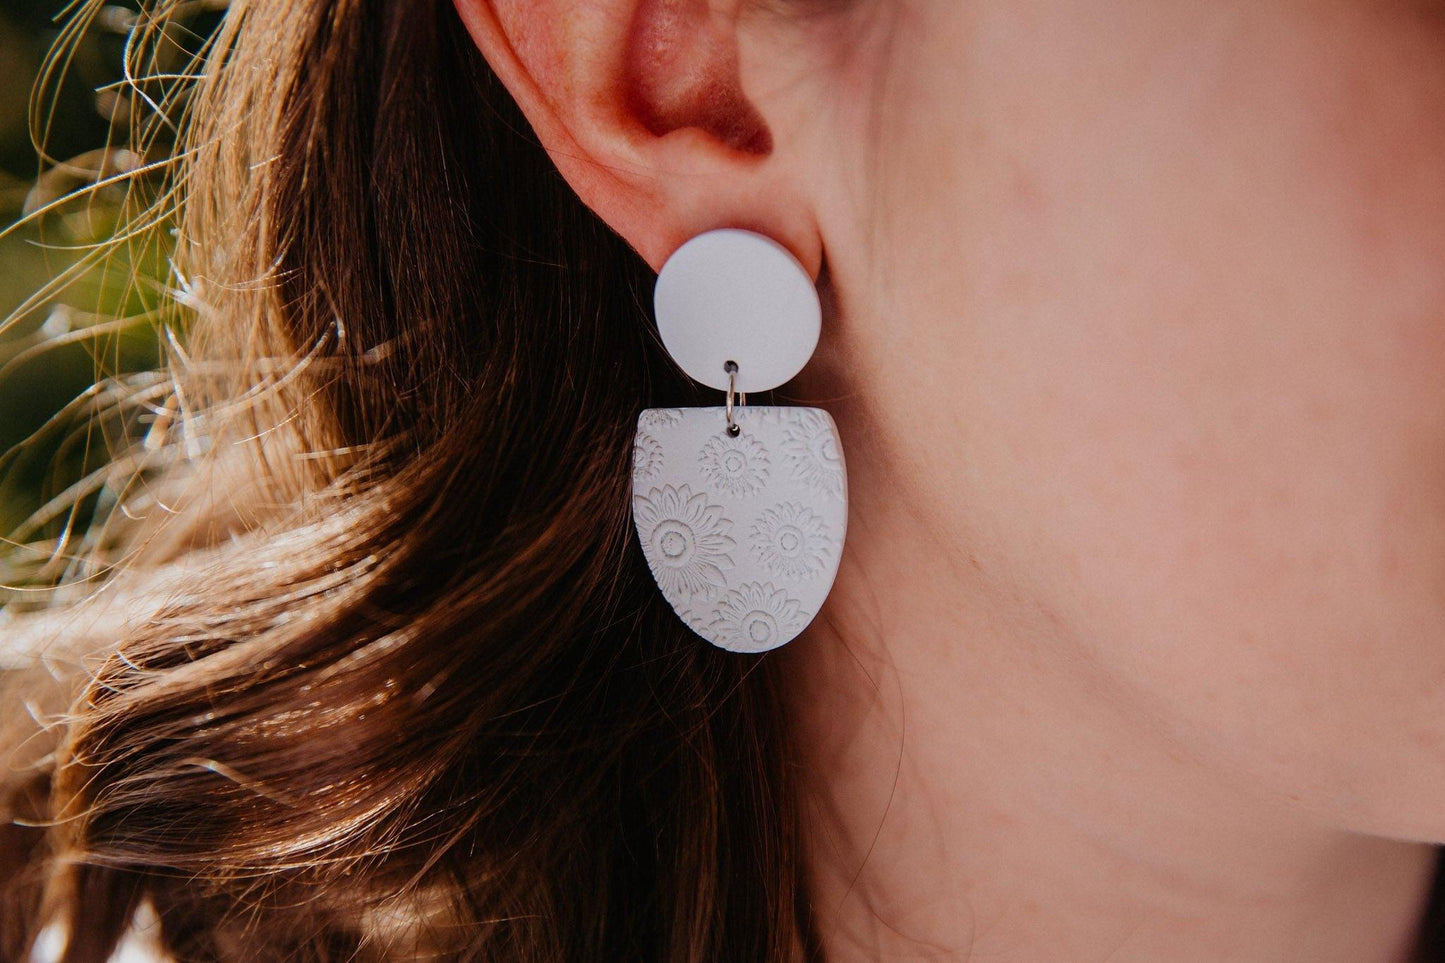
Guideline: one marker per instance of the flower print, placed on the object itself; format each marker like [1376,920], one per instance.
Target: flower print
[646,457]
[693,620]
[738,466]
[811,449]
[754,617]
[791,541]
[685,541]
[758,417]
[654,418]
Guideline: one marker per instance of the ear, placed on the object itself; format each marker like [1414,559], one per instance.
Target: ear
[642,107]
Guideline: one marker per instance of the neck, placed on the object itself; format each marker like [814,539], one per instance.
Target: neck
[974,786]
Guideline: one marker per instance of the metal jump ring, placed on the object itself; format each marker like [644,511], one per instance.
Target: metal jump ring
[731,367]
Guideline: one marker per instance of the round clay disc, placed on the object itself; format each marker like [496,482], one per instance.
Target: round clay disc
[735,295]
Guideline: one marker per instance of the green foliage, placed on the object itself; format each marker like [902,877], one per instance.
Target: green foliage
[85,275]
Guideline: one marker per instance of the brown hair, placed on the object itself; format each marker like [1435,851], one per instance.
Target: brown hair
[407,689]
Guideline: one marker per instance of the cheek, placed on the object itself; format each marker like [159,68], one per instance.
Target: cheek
[1190,366]
[1250,536]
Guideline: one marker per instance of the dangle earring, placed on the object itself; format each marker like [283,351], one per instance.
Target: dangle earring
[741,509]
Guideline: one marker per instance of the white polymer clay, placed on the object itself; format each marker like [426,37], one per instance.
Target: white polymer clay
[742,533]
[735,295]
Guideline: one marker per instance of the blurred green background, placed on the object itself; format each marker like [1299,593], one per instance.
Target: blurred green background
[75,310]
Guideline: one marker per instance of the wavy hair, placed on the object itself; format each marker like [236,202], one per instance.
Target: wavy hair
[364,663]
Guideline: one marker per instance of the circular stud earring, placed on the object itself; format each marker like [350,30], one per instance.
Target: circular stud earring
[741,509]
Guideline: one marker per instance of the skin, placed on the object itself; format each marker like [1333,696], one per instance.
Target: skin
[1134,329]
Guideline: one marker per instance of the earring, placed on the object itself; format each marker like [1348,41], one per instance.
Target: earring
[741,509]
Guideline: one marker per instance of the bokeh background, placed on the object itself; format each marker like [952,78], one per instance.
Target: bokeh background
[84,116]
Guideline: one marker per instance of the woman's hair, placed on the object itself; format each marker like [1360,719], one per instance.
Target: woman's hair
[402,686]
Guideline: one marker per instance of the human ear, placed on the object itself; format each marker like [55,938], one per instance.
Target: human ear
[643,107]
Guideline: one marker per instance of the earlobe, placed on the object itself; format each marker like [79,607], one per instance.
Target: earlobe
[640,105]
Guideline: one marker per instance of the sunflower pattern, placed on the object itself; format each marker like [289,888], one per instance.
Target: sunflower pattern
[654,418]
[791,540]
[742,532]
[698,623]
[755,617]
[685,540]
[810,447]
[646,457]
[738,466]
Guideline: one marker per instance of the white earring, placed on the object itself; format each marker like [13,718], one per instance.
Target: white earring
[741,509]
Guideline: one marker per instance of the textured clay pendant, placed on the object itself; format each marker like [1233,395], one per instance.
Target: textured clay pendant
[742,532]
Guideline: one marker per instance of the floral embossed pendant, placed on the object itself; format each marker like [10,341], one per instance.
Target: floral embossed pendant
[740,509]
[742,527]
